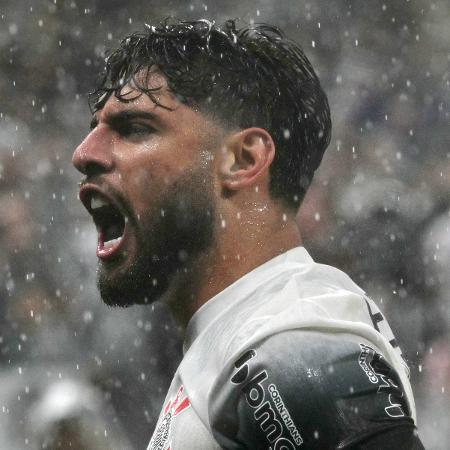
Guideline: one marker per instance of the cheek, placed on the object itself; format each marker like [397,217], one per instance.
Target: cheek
[142,179]
[155,176]
[147,185]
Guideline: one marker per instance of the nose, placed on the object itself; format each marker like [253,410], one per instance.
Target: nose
[94,154]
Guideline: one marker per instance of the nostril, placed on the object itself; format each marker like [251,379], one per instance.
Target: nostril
[93,168]
[91,164]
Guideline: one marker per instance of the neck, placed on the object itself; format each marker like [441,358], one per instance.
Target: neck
[239,248]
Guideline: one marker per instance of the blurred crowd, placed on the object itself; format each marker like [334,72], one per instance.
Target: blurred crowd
[73,370]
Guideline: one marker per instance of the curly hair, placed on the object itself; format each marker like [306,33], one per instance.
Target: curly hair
[248,77]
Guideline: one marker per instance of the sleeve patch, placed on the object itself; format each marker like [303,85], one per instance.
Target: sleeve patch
[379,372]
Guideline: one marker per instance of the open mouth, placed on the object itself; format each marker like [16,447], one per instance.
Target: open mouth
[109,221]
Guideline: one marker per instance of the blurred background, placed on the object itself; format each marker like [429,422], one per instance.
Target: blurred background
[73,370]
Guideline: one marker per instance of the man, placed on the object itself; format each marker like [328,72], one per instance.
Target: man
[203,143]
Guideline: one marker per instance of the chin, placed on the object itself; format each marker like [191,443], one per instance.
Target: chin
[131,286]
[125,295]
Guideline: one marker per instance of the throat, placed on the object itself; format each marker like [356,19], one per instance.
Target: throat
[195,284]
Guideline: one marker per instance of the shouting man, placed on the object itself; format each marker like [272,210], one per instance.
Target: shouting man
[203,143]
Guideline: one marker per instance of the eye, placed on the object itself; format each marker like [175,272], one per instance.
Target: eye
[136,130]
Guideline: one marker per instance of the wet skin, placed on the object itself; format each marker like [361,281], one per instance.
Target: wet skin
[154,164]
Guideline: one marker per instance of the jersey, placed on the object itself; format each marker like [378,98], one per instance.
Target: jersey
[293,355]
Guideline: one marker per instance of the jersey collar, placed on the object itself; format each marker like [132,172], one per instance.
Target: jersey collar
[238,290]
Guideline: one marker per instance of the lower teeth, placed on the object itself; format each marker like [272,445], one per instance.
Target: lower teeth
[112,242]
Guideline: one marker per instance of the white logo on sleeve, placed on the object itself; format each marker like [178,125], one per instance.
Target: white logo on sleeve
[380,373]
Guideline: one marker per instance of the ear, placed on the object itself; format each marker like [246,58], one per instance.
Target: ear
[247,157]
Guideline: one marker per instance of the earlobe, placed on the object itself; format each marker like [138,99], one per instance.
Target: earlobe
[248,156]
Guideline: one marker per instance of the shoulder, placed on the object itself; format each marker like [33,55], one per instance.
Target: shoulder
[324,389]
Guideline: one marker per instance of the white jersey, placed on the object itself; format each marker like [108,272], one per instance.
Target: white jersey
[292,355]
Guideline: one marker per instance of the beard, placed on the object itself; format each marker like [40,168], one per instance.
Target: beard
[173,233]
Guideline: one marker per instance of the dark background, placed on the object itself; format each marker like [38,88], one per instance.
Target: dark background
[379,207]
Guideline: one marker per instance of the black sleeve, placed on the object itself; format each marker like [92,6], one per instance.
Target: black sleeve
[309,390]
[393,439]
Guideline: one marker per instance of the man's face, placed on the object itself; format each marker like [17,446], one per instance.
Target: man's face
[149,186]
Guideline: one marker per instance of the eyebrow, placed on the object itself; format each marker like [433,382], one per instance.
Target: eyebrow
[124,116]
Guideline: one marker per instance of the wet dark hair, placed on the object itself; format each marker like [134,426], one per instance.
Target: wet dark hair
[248,77]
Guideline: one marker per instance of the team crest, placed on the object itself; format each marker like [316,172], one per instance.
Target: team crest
[175,406]
[380,373]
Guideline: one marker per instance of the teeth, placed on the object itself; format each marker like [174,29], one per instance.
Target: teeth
[112,242]
[97,202]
